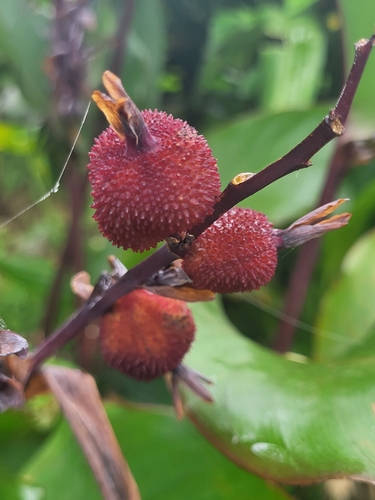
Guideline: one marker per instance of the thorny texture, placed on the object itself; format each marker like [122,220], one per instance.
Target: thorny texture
[296,159]
[145,335]
[142,197]
[237,253]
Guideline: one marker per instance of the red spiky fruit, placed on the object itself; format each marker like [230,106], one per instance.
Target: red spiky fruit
[146,335]
[237,253]
[152,175]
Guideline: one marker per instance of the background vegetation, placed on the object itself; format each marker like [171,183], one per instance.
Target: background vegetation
[255,78]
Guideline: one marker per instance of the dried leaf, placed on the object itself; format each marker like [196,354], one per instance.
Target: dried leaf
[118,267]
[108,107]
[80,401]
[80,285]
[318,214]
[114,86]
[12,343]
[185,293]
[312,225]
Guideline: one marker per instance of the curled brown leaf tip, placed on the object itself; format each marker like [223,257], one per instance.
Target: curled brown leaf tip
[122,114]
[117,266]
[185,293]
[12,343]
[313,225]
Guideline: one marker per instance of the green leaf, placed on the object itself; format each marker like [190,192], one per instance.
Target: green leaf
[23,44]
[336,244]
[146,53]
[347,308]
[294,7]
[292,71]
[359,18]
[20,438]
[288,421]
[251,142]
[169,460]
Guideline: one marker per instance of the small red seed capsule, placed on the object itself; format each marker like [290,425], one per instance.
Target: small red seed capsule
[237,253]
[152,175]
[146,335]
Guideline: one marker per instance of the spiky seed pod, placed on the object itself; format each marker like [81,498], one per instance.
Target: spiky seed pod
[146,335]
[152,178]
[237,253]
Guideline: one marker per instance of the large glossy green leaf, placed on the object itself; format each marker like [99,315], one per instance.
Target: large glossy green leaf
[251,142]
[169,460]
[291,70]
[359,20]
[285,420]
[347,308]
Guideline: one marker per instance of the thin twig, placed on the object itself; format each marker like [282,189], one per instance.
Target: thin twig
[299,157]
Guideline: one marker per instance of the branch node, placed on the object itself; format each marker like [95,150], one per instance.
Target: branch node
[334,122]
[240,178]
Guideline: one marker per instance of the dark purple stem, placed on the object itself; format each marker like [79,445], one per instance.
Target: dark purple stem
[294,160]
[99,305]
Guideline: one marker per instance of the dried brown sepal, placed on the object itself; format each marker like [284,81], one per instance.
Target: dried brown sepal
[174,275]
[117,266]
[80,401]
[11,393]
[312,225]
[108,107]
[12,343]
[80,285]
[318,214]
[122,114]
[185,293]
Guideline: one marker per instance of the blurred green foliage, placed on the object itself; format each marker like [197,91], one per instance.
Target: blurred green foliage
[255,77]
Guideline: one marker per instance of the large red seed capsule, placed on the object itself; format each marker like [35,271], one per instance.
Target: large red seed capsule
[152,175]
[237,253]
[146,335]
